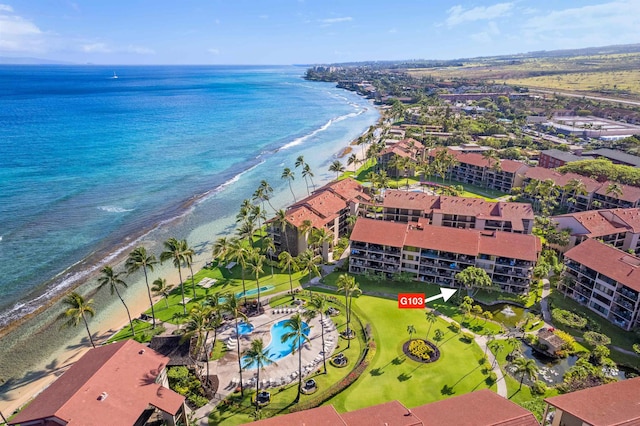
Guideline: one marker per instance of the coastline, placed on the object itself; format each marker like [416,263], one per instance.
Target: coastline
[113,317]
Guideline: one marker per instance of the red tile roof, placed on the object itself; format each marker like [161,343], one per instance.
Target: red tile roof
[595,222]
[478,160]
[324,415]
[607,405]
[629,193]
[541,173]
[379,232]
[348,189]
[630,217]
[391,413]
[615,264]
[126,371]
[464,241]
[409,200]
[298,215]
[480,408]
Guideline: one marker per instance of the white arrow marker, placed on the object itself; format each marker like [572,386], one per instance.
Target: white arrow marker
[445,293]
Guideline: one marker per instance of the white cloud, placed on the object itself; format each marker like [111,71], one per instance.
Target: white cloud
[214,51]
[263,16]
[458,14]
[139,50]
[336,20]
[17,33]
[488,34]
[614,22]
[392,31]
[96,48]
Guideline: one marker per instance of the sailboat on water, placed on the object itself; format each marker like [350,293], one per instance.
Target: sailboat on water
[115,75]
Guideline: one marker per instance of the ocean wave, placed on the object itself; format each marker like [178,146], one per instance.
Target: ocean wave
[322,128]
[114,209]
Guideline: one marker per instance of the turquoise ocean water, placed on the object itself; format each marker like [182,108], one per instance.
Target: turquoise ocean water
[90,163]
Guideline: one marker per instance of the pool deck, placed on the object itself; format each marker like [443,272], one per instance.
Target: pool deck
[285,371]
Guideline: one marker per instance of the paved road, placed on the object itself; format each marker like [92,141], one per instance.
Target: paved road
[596,98]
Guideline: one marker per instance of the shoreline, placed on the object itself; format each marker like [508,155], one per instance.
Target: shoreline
[113,317]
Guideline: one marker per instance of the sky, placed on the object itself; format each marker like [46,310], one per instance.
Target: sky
[305,31]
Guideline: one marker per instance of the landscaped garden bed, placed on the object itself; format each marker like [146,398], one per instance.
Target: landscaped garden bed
[420,350]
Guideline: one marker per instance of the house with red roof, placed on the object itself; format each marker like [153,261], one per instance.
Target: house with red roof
[604,279]
[123,383]
[436,254]
[616,403]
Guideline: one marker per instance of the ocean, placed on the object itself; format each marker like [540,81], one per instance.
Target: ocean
[92,165]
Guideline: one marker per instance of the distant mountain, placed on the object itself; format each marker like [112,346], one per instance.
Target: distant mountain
[5,60]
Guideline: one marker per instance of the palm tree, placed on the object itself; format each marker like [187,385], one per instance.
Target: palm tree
[196,326]
[221,249]
[298,332]
[337,167]
[160,288]
[514,342]
[247,229]
[304,229]
[238,252]
[300,163]
[137,259]
[431,318]
[308,263]
[615,189]
[269,248]
[525,367]
[77,311]
[289,263]
[347,284]
[574,188]
[232,306]
[411,330]
[319,304]
[266,191]
[113,280]
[255,264]
[258,356]
[282,222]
[353,159]
[173,251]
[214,320]
[288,175]
[306,172]
[320,237]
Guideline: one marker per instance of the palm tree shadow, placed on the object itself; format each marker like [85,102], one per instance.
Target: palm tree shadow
[398,360]
[514,394]
[463,377]
[84,342]
[404,377]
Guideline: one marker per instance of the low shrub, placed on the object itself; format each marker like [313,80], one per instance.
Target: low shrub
[539,387]
[467,337]
[454,327]
[491,378]
[569,319]
[420,349]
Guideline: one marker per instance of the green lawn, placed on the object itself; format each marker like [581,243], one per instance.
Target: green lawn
[392,376]
[226,281]
[143,329]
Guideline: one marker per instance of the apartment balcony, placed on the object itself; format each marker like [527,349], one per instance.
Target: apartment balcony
[429,253]
[622,313]
[629,294]
[624,303]
[466,259]
[358,246]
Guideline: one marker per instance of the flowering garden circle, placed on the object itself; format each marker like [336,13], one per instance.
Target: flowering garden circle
[421,350]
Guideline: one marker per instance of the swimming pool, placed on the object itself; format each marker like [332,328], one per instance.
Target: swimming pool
[277,349]
[244,328]
[254,291]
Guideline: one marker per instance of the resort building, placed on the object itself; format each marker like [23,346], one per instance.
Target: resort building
[597,195]
[457,212]
[435,254]
[616,157]
[605,279]
[475,169]
[552,158]
[389,158]
[123,383]
[479,408]
[615,403]
[619,228]
[326,208]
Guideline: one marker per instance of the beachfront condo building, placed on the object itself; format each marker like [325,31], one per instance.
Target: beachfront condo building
[391,158]
[454,212]
[604,279]
[326,209]
[435,254]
